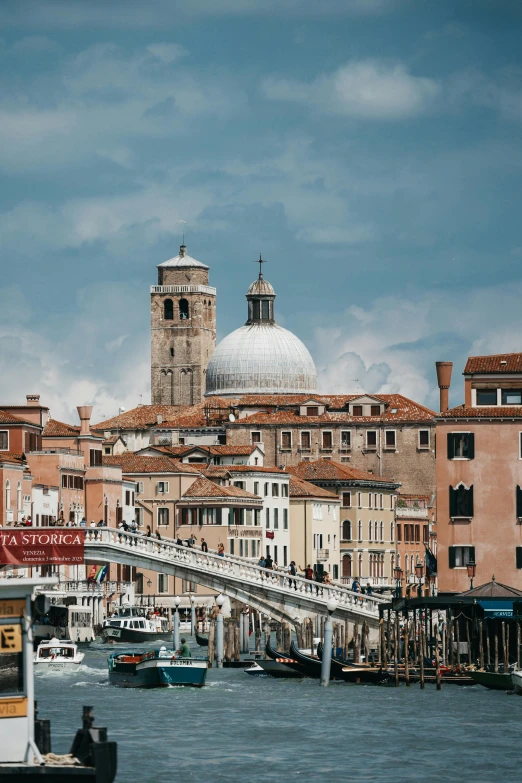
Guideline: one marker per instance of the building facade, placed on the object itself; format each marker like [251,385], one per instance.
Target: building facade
[315,539]
[479,476]
[183,330]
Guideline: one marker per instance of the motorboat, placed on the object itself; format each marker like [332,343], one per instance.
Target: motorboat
[496,681]
[256,671]
[156,669]
[516,681]
[132,625]
[57,655]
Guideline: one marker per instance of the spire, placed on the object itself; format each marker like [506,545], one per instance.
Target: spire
[260,262]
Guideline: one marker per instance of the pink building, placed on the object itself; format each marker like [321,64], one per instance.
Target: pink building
[479,474]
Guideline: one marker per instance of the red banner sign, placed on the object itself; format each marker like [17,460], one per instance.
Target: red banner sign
[43,546]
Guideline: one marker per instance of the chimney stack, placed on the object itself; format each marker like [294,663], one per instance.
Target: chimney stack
[33,399]
[85,412]
[444,380]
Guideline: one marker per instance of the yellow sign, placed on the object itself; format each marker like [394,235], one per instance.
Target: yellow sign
[11,638]
[13,708]
[12,607]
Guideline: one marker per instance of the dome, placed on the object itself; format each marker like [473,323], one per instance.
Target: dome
[260,287]
[182,261]
[261,358]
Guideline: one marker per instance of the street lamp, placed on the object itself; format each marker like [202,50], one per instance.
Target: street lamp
[398,572]
[175,630]
[472,568]
[419,573]
[192,616]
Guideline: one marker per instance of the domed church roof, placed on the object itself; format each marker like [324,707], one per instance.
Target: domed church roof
[183,261]
[261,357]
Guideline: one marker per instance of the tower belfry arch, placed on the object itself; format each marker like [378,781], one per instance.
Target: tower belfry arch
[183,330]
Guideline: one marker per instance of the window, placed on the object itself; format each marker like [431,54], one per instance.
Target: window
[257,517]
[460,556]
[375,531]
[183,309]
[359,530]
[391,532]
[369,499]
[357,410]
[107,449]
[163,516]
[255,437]
[275,490]
[267,518]
[4,440]
[381,501]
[424,439]
[347,530]
[327,440]
[511,397]
[347,499]
[346,439]
[172,352]
[163,583]
[486,396]
[265,309]
[127,497]
[461,445]
[266,489]
[285,519]
[417,534]
[370,531]
[256,487]
[382,532]
[461,501]
[285,555]
[139,487]
[519,556]
[95,457]
[168,310]
[286,440]
[375,410]
[162,487]
[390,439]
[284,490]
[276,519]
[239,484]
[371,439]
[305,440]
[359,499]
[425,534]
[519,502]
[399,533]
[312,410]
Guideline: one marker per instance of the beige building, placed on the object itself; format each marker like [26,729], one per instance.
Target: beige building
[314,527]
[367,519]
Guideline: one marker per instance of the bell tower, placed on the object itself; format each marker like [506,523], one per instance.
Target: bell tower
[183,330]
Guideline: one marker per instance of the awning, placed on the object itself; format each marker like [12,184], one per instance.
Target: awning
[497,609]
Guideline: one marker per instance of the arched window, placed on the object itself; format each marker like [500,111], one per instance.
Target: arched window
[8,494]
[359,530]
[347,530]
[19,496]
[183,309]
[382,532]
[392,532]
[347,567]
[375,531]
[370,530]
[172,351]
[168,310]
[360,566]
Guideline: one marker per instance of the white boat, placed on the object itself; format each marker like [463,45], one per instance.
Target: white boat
[131,625]
[256,671]
[56,655]
[516,679]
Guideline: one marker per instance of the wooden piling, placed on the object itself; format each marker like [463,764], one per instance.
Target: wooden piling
[468,639]
[356,648]
[518,644]
[396,650]
[237,638]
[388,638]
[481,645]
[457,635]
[488,644]
[382,654]
[444,644]
[267,632]
[346,638]
[437,660]
[495,637]
[421,640]
[504,646]
[406,652]
[211,642]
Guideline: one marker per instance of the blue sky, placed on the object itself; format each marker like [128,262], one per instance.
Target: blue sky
[370,149]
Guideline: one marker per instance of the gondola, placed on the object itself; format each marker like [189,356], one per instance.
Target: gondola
[285,659]
[201,640]
[354,672]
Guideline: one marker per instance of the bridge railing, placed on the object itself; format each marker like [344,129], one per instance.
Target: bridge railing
[168,551]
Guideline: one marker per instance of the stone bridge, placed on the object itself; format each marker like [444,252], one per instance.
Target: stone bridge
[274,593]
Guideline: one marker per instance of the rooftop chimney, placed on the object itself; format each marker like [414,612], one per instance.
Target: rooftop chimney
[444,380]
[33,399]
[85,412]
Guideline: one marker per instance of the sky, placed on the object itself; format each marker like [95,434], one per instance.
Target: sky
[371,150]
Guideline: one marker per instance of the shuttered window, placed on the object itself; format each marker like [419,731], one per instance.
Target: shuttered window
[461,445]
[461,501]
[519,503]
[460,556]
[519,556]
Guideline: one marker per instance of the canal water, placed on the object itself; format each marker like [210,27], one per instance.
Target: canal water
[241,728]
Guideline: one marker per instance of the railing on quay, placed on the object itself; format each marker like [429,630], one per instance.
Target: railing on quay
[247,573]
[88,586]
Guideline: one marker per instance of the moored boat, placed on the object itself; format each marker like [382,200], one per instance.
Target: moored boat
[285,660]
[156,669]
[201,640]
[57,655]
[496,681]
[131,625]
[516,681]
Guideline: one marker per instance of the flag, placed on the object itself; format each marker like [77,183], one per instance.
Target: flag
[101,573]
[92,573]
[430,560]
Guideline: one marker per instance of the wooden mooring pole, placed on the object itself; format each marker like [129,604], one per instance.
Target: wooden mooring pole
[437,659]
[406,652]
[421,640]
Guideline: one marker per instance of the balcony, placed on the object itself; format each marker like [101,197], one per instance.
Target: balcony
[183,289]
[407,512]
[88,587]
[322,555]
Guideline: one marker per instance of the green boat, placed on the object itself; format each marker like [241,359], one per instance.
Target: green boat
[496,681]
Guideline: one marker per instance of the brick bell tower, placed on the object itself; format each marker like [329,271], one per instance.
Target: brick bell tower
[183,330]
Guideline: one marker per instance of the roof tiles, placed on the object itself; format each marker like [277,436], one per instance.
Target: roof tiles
[57,429]
[483,412]
[299,488]
[140,418]
[204,488]
[329,470]
[136,463]
[497,363]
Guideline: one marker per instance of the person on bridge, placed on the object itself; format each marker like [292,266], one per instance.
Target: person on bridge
[148,534]
[184,650]
[221,550]
[308,573]
[204,545]
[268,562]
[157,534]
[292,570]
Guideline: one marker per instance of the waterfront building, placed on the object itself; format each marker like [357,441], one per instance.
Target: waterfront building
[15,488]
[211,455]
[415,532]
[479,474]
[183,330]
[314,527]
[367,519]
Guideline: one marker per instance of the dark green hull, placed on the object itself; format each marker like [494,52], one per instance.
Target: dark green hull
[493,680]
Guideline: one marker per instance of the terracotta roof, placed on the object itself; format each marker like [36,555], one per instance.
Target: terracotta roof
[333,401]
[483,412]
[204,488]
[57,429]
[217,471]
[492,589]
[212,469]
[196,415]
[8,418]
[140,418]
[304,489]
[172,451]
[136,463]
[12,456]
[329,470]
[406,410]
[502,362]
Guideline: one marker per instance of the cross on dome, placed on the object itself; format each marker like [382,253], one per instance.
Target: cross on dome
[261,261]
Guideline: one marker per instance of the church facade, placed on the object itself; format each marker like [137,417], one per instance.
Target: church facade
[183,330]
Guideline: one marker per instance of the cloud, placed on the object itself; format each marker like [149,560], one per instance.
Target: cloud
[167,52]
[34,45]
[364,349]
[364,88]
